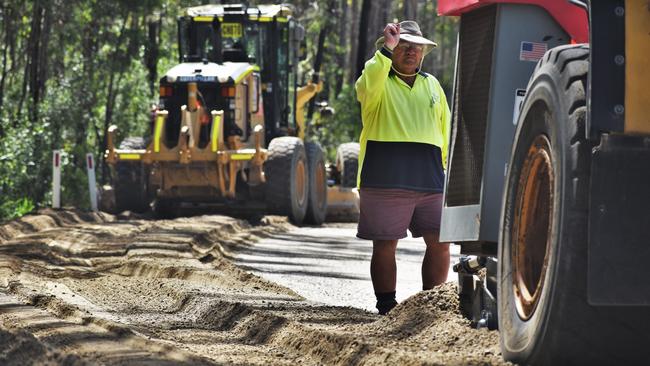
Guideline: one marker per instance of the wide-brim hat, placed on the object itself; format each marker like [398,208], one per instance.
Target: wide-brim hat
[410,32]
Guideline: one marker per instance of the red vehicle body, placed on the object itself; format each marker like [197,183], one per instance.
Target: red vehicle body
[570,17]
[547,180]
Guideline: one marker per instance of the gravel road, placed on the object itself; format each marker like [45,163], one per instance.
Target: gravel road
[80,288]
[329,265]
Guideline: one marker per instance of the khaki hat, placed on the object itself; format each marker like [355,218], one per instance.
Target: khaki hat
[410,31]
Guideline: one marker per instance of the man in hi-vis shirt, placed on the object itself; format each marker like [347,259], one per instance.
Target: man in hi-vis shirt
[402,158]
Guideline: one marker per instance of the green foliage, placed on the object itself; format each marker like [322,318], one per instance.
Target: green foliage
[91,71]
[344,126]
[95,76]
[19,169]
[11,209]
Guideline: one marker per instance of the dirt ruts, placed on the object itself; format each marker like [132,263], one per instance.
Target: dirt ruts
[79,288]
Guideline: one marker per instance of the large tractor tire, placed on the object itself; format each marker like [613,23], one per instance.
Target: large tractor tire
[131,180]
[286,178]
[544,314]
[317,177]
[347,163]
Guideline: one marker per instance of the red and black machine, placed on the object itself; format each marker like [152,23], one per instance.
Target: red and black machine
[548,187]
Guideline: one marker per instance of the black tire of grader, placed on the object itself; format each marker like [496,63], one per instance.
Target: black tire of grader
[165,208]
[131,180]
[286,178]
[347,163]
[317,182]
[544,315]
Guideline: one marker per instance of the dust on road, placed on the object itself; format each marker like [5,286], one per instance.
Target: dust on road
[79,288]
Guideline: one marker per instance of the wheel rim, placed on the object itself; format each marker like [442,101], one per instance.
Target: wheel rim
[321,189]
[301,191]
[531,229]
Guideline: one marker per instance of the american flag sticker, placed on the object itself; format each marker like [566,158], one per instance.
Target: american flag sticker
[532,51]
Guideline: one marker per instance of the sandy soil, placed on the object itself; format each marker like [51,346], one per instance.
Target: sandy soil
[79,288]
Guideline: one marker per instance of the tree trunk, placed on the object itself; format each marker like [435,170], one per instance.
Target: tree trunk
[320,50]
[111,96]
[87,96]
[354,38]
[410,9]
[31,64]
[15,30]
[380,14]
[40,70]
[375,25]
[428,26]
[34,58]
[443,44]
[384,15]
[343,20]
[6,32]
[152,53]
[362,44]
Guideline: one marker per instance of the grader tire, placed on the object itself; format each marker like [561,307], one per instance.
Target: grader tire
[317,192]
[544,314]
[286,178]
[165,208]
[347,163]
[131,180]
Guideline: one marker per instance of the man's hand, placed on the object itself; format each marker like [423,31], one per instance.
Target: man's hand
[391,35]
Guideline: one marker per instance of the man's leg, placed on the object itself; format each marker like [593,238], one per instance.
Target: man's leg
[383,271]
[384,217]
[435,265]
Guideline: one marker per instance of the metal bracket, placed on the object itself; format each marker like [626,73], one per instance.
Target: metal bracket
[606,90]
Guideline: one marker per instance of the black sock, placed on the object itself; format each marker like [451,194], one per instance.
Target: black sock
[384,296]
[385,302]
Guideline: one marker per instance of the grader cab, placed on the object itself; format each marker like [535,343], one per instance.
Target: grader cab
[229,128]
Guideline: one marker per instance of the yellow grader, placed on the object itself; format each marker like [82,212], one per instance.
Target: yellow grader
[229,127]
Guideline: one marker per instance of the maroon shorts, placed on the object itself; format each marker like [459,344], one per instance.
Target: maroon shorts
[387,213]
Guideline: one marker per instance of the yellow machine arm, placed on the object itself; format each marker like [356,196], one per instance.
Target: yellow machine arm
[305,93]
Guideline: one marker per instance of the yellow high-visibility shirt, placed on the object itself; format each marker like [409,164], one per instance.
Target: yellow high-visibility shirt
[394,112]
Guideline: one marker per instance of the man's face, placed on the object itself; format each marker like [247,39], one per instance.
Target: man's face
[407,56]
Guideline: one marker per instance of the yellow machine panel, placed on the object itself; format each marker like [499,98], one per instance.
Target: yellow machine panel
[637,73]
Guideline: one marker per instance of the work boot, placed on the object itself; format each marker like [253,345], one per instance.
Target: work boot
[385,302]
[384,306]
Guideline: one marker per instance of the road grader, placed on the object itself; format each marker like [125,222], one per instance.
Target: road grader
[549,172]
[229,128]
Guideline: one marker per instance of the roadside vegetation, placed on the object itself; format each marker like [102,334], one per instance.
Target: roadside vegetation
[70,69]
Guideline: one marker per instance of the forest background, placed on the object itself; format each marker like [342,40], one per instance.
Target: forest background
[71,68]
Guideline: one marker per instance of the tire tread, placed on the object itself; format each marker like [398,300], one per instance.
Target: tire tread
[347,157]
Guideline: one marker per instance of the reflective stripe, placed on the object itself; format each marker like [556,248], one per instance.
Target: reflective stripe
[262,19]
[265,19]
[216,121]
[241,156]
[244,74]
[129,156]
[203,19]
[158,133]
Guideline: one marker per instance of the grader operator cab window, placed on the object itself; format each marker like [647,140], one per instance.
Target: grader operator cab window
[240,42]
[208,40]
